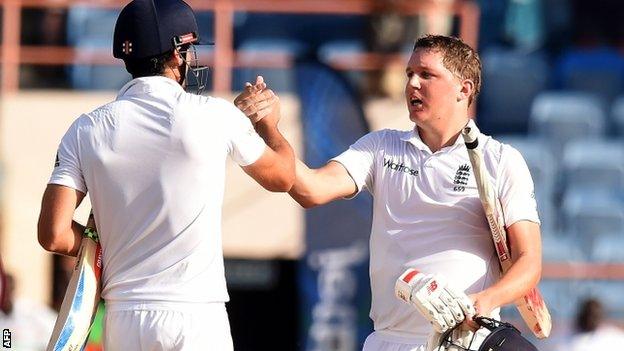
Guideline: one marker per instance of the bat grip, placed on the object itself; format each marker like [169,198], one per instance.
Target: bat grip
[470,133]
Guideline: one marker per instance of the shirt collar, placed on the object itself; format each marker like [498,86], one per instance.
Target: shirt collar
[413,137]
[146,85]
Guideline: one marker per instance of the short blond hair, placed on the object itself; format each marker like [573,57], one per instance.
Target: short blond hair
[457,56]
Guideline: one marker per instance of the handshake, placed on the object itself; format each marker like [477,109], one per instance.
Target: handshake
[441,305]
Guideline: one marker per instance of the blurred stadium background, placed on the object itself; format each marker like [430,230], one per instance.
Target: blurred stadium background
[553,86]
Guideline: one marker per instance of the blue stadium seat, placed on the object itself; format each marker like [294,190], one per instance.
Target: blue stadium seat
[561,247]
[598,71]
[491,27]
[594,163]
[608,247]
[524,24]
[589,212]
[617,115]
[561,297]
[511,80]
[543,167]
[561,116]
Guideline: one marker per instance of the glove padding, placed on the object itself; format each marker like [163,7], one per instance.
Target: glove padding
[440,304]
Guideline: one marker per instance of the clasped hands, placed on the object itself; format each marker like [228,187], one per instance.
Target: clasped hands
[258,102]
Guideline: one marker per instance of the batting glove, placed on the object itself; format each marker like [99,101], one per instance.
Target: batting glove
[441,305]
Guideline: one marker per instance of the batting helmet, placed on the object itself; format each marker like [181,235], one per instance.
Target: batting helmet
[503,337]
[146,28]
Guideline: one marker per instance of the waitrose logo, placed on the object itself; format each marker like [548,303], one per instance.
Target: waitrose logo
[399,167]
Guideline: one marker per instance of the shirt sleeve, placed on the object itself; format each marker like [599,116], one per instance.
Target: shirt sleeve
[359,160]
[244,145]
[67,168]
[516,189]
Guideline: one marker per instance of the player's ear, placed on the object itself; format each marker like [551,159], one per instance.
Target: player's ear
[466,88]
[177,58]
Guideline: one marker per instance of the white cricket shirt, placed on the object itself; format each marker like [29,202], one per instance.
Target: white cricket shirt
[153,162]
[427,215]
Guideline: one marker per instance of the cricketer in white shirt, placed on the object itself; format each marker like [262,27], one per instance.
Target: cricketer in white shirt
[153,162]
[427,214]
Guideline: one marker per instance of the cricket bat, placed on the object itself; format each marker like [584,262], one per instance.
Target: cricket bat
[82,296]
[532,307]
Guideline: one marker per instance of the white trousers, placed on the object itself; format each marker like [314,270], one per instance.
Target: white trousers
[379,341]
[203,327]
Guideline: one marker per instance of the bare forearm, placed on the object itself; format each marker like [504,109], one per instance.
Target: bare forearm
[302,190]
[56,230]
[315,187]
[65,241]
[282,166]
[276,141]
[523,275]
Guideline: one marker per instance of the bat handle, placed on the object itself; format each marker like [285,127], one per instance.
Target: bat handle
[90,228]
[470,133]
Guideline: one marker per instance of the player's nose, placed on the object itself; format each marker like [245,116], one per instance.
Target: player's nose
[414,82]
